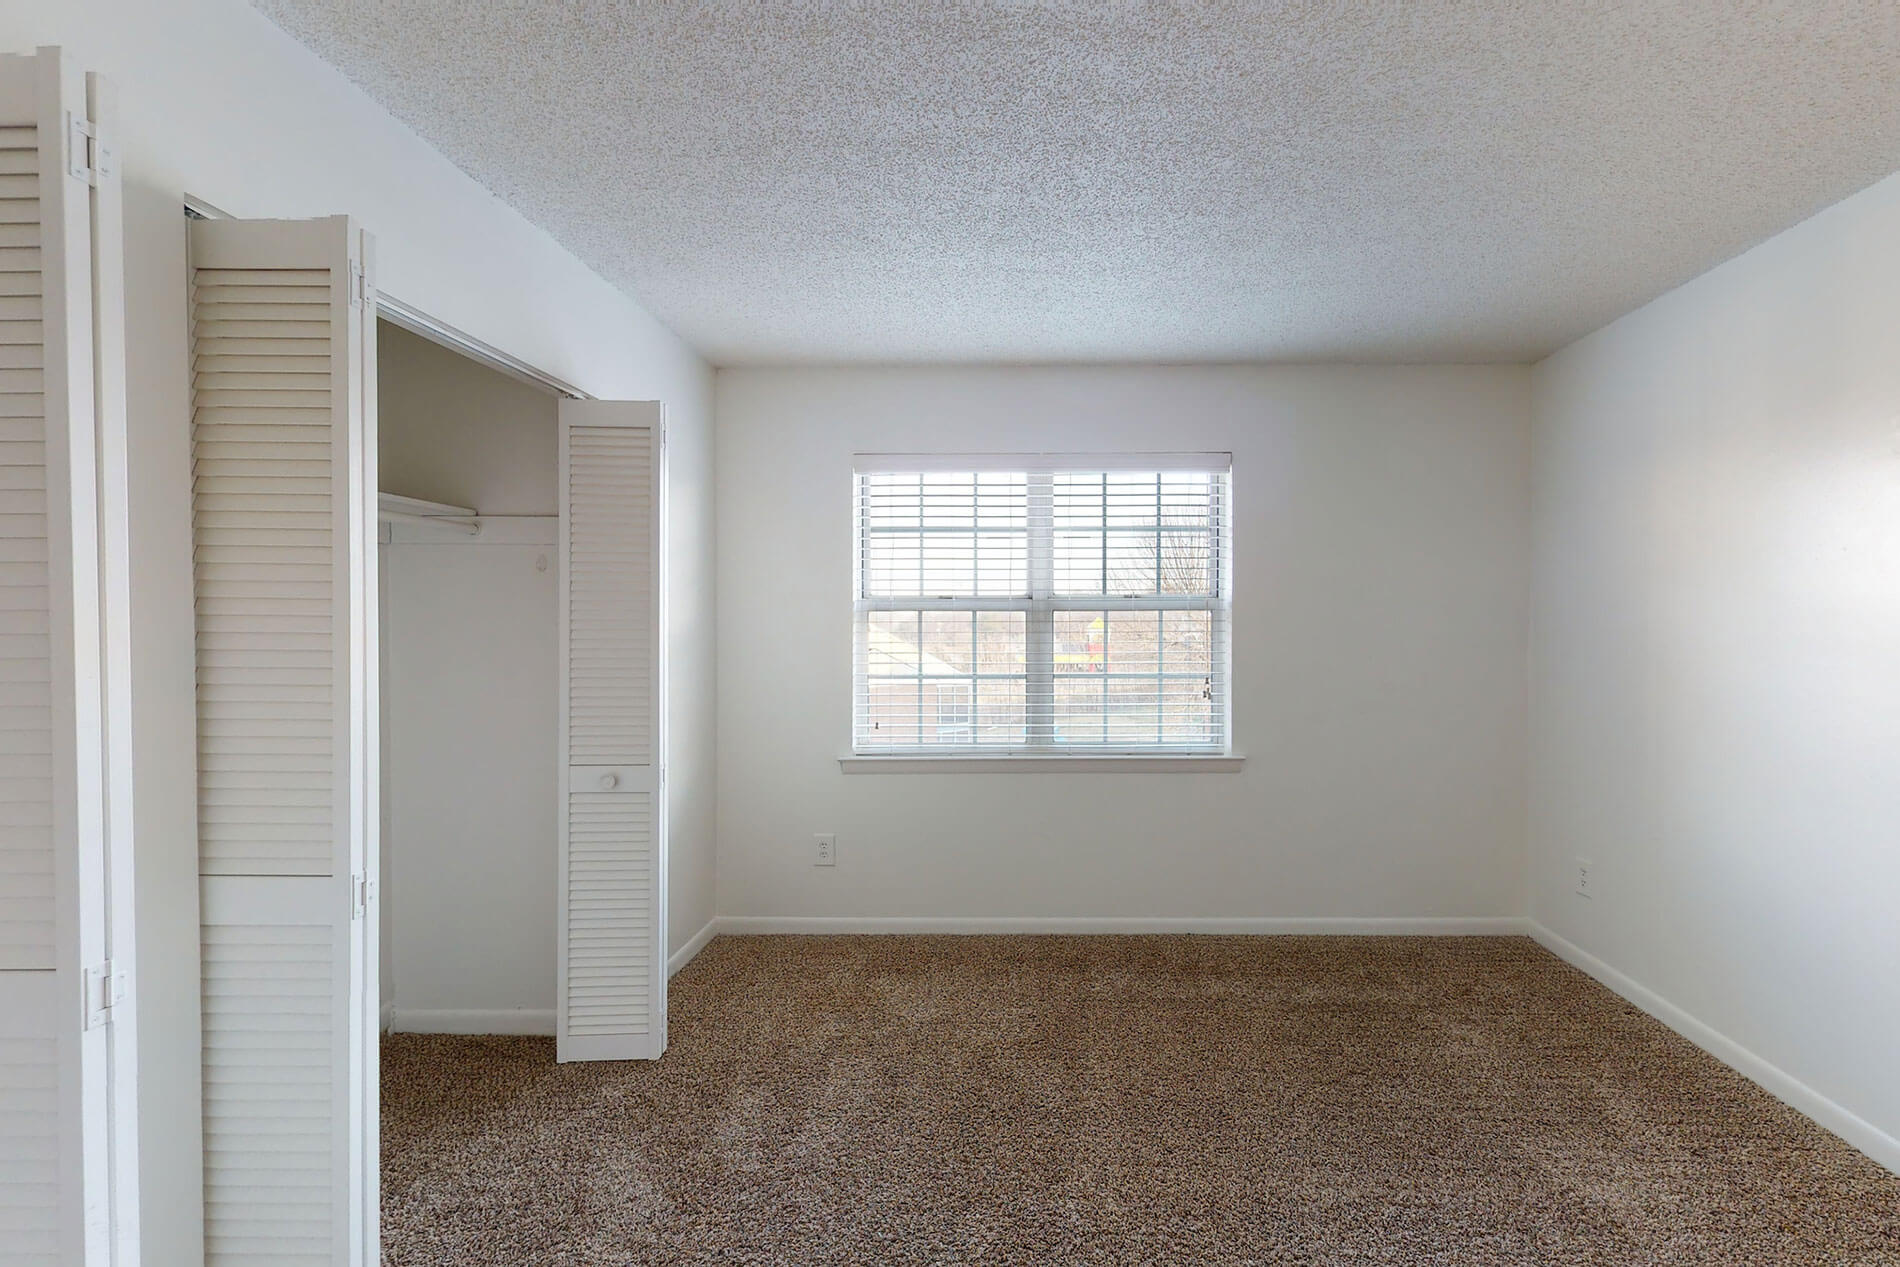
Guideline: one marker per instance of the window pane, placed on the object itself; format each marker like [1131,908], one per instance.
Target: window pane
[1131,563]
[999,642]
[891,644]
[1187,497]
[1191,511]
[942,679]
[1133,711]
[1134,641]
[891,563]
[888,501]
[949,500]
[951,717]
[1002,564]
[1187,712]
[1187,642]
[1132,679]
[1186,563]
[1002,500]
[1081,663]
[948,642]
[1078,562]
[999,712]
[1133,500]
[943,535]
[949,564]
[1079,710]
[891,712]
[1081,642]
[1078,501]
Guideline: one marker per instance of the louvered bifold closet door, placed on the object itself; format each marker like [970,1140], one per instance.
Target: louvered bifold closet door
[283,446]
[612,886]
[57,1130]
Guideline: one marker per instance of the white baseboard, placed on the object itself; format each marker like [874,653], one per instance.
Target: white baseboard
[511,1020]
[1859,1132]
[684,955]
[1454,926]
[473,1021]
[538,1021]
[387,1016]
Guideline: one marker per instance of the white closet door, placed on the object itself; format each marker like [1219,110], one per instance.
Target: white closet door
[67,1150]
[612,886]
[283,500]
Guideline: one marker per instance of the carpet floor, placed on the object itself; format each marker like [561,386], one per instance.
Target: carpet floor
[1119,1100]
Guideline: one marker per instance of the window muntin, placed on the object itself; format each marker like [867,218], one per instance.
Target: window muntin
[1042,607]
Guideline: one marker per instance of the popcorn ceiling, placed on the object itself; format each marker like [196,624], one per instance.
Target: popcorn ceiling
[898,182]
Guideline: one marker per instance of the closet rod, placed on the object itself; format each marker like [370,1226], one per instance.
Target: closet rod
[472,527]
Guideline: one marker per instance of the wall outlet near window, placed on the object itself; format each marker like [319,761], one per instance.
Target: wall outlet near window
[824,850]
[1586,882]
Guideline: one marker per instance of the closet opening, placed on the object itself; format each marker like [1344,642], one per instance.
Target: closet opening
[470,671]
[431,779]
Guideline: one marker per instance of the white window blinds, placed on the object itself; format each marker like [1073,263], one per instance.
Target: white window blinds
[1042,605]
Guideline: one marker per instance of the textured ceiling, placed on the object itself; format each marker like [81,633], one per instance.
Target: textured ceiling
[919,181]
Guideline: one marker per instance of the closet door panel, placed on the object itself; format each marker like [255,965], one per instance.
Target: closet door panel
[265,563]
[283,480]
[612,989]
[57,1137]
[275,1016]
[34,1134]
[29,928]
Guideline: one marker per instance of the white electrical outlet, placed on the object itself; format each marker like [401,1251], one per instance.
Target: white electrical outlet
[1586,883]
[824,850]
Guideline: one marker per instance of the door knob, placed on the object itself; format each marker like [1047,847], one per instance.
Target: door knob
[609,782]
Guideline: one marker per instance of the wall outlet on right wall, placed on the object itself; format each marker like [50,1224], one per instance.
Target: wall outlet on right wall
[1586,882]
[824,850]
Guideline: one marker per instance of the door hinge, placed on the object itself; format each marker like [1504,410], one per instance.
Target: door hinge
[362,893]
[362,287]
[106,988]
[88,156]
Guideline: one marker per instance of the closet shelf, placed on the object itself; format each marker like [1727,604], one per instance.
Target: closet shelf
[392,507]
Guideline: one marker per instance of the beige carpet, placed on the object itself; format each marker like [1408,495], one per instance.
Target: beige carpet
[1045,1100]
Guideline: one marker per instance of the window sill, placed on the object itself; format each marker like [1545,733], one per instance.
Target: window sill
[1184,763]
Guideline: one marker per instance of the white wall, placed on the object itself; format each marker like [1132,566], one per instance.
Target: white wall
[471,697]
[1716,664]
[1378,653]
[218,102]
[473,636]
[452,430]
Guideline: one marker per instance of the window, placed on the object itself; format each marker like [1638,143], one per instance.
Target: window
[1042,606]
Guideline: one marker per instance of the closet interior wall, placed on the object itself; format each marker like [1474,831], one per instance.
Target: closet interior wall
[470,699]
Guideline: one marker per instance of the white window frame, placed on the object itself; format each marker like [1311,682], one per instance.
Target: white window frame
[1039,750]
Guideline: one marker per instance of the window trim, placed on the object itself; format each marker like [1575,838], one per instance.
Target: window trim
[1040,607]
[1045,763]
[1032,463]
